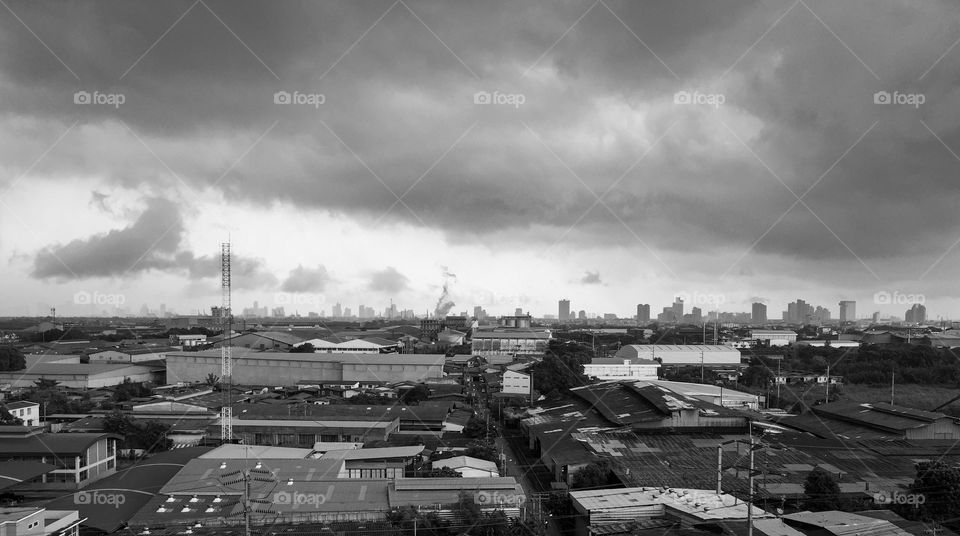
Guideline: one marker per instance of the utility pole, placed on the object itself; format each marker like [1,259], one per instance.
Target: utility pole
[893,375]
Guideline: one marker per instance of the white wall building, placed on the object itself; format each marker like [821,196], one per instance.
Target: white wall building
[774,337]
[516,382]
[614,368]
[683,354]
[28,412]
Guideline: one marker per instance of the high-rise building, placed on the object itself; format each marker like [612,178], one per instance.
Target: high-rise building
[677,308]
[848,311]
[758,313]
[337,311]
[917,314]
[582,315]
[643,312]
[564,314]
[518,311]
[696,315]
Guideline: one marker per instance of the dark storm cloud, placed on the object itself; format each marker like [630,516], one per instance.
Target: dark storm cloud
[399,101]
[389,281]
[149,242]
[152,242]
[303,279]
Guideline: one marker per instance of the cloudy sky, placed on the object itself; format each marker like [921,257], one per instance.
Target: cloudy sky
[609,152]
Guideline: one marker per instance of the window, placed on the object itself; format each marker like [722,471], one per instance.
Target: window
[307,439]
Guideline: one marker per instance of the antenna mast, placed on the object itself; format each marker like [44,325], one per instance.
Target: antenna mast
[226,369]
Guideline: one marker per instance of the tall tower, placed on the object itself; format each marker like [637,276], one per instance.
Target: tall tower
[226,368]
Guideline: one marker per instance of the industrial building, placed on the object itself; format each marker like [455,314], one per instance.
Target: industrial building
[613,368]
[682,354]
[773,337]
[286,369]
[79,459]
[82,375]
[510,342]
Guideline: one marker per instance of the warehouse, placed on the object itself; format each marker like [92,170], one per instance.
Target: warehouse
[683,354]
[285,369]
[81,375]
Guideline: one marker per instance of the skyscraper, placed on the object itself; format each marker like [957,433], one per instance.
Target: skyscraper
[848,311]
[916,314]
[643,312]
[564,311]
[678,309]
[759,313]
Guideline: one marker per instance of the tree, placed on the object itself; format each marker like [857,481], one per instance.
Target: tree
[939,484]
[305,348]
[592,476]
[481,451]
[475,428]
[442,472]
[11,359]
[561,368]
[414,396]
[821,490]
[212,380]
[128,389]
[7,418]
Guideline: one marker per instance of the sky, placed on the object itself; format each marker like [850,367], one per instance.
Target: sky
[608,152]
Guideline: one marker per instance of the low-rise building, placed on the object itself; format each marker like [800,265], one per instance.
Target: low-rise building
[28,412]
[516,382]
[510,342]
[687,507]
[34,521]
[682,354]
[288,369]
[615,368]
[773,337]
[79,458]
[468,466]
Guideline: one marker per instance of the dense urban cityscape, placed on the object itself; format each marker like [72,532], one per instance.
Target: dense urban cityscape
[424,268]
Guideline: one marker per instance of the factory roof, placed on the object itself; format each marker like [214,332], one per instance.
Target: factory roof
[346,358]
[879,415]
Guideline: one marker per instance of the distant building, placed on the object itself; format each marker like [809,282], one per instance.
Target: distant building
[758,313]
[643,312]
[510,342]
[289,369]
[677,308]
[615,368]
[848,311]
[519,321]
[917,314]
[773,337]
[582,315]
[678,354]
[564,313]
[262,340]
